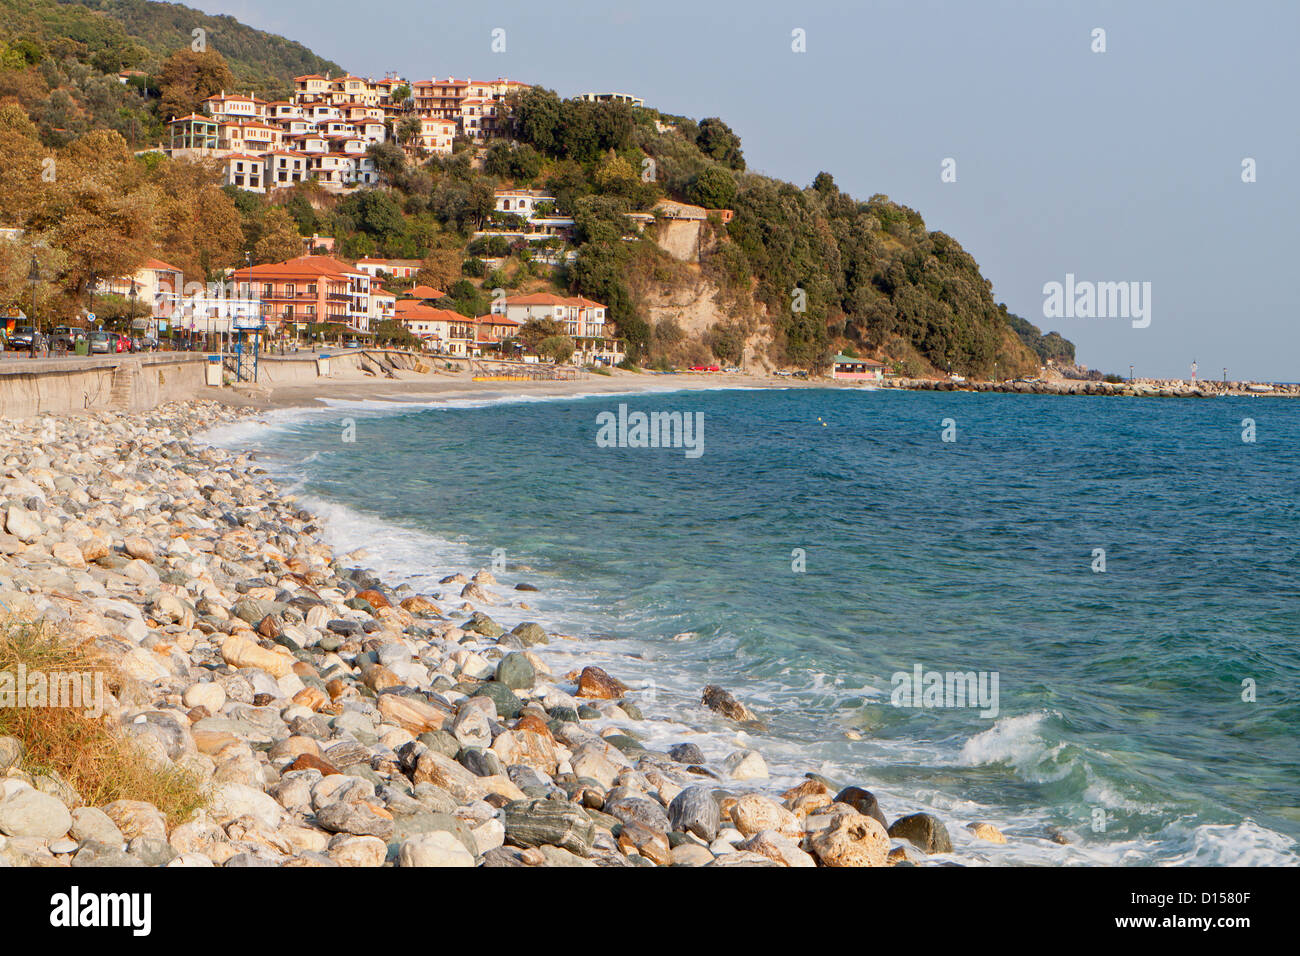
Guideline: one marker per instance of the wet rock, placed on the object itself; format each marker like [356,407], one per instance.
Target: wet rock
[593,682]
[851,840]
[987,831]
[695,811]
[754,813]
[480,623]
[746,765]
[530,633]
[725,703]
[864,801]
[516,671]
[926,832]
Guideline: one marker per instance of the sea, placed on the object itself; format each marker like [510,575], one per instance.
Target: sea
[1120,577]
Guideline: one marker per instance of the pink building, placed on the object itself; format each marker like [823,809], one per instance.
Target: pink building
[851,369]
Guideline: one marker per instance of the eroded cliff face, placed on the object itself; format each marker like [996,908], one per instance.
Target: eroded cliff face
[685,309]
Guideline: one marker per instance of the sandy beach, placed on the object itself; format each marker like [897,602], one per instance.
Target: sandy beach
[415,387]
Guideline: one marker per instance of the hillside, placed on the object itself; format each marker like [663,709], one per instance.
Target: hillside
[787,278]
[112,35]
[261,61]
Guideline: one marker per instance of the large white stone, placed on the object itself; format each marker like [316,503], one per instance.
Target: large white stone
[438,848]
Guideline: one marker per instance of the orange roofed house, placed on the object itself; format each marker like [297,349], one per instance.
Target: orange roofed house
[583,320]
[442,330]
[310,290]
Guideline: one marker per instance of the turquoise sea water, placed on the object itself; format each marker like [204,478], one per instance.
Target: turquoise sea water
[1120,713]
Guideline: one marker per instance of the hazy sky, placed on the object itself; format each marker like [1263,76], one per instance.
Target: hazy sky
[1117,166]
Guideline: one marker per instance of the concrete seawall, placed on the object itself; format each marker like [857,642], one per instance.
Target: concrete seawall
[57,386]
[128,382]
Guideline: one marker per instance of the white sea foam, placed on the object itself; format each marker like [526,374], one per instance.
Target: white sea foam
[1014,740]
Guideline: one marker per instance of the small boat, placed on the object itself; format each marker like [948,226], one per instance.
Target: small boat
[1259,388]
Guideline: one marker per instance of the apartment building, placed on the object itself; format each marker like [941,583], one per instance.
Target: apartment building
[493,329]
[322,132]
[245,171]
[442,330]
[157,285]
[436,135]
[583,320]
[333,120]
[612,98]
[476,107]
[235,108]
[522,202]
[397,268]
[309,290]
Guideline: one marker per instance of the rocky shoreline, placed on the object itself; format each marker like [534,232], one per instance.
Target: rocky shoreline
[330,720]
[1163,388]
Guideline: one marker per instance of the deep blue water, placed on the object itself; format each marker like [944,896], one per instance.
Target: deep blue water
[1120,693]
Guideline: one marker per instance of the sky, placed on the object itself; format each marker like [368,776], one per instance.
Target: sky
[1119,166]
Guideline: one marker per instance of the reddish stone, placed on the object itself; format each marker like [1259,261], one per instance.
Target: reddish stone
[594,682]
[312,762]
[374,598]
[535,724]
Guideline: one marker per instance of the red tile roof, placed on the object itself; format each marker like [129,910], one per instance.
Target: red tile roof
[550,298]
[302,267]
[425,292]
[158,264]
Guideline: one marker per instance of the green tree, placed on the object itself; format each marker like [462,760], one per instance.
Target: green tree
[534,331]
[536,114]
[713,188]
[557,348]
[717,141]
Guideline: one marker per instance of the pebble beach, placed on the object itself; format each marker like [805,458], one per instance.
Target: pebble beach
[328,719]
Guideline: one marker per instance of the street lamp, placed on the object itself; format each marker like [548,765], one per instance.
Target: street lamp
[1130,374]
[34,276]
[135,292]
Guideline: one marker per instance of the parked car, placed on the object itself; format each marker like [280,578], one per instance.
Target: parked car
[65,338]
[22,337]
[101,341]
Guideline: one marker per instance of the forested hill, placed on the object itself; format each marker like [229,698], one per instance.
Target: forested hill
[794,275]
[139,34]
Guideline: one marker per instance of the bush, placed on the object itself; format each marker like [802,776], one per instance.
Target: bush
[86,752]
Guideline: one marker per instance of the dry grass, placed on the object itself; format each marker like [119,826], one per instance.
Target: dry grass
[101,764]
